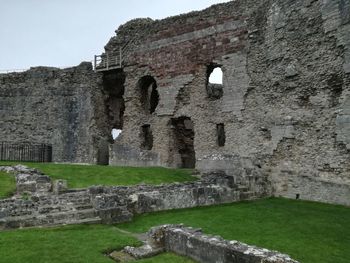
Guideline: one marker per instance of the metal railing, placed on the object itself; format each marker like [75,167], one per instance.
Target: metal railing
[25,152]
[108,61]
[112,60]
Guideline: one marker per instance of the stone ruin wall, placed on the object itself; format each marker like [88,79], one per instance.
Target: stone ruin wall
[285,103]
[59,107]
[40,201]
[192,243]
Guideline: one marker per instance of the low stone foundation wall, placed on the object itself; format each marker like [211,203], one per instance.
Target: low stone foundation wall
[194,244]
[116,204]
[40,202]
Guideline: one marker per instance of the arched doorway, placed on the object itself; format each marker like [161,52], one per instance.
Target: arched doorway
[183,130]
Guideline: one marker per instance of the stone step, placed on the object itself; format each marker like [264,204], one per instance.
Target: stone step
[63,208]
[86,221]
[61,218]
[145,251]
[64,201]
[79,214]
[121,256]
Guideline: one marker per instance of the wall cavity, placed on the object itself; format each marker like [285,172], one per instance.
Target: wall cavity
[183,129]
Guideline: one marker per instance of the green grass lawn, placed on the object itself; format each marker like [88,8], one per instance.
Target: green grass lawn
[309,232]
[80,176]
[7,185]
[78,244]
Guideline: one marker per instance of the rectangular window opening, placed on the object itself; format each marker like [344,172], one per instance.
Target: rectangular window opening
[146,137]
[220,133]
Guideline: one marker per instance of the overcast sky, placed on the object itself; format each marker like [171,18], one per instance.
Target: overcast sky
[63,33]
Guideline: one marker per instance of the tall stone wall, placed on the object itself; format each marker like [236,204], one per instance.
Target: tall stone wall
[286,88]
[53,106]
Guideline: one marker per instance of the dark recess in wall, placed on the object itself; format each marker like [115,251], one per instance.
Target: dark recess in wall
[184,141]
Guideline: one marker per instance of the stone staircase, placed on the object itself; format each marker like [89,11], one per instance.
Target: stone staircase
[49,210]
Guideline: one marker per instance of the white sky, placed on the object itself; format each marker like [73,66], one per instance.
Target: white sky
[63,33]
[216,77]
[116,133]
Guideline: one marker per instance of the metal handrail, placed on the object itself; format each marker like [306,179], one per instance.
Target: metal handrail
[111,60]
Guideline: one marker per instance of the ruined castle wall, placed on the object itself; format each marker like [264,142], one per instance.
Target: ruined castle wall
[286,87]
[53,106]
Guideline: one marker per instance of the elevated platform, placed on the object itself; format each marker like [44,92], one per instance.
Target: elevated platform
[108,61]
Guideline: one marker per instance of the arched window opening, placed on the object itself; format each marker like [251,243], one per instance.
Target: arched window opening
[214,82]
[149,94]
[216,76]
[116,133]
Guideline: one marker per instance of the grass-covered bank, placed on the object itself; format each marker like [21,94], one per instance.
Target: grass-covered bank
[80,176]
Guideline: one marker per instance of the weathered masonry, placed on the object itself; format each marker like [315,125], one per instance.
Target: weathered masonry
[282,111]
[191,242]
[62,108]
[52,203]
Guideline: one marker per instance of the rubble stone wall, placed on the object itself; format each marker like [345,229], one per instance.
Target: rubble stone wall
[190,242]
[286,88]
[41,202]
[116,204]
[52,106]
